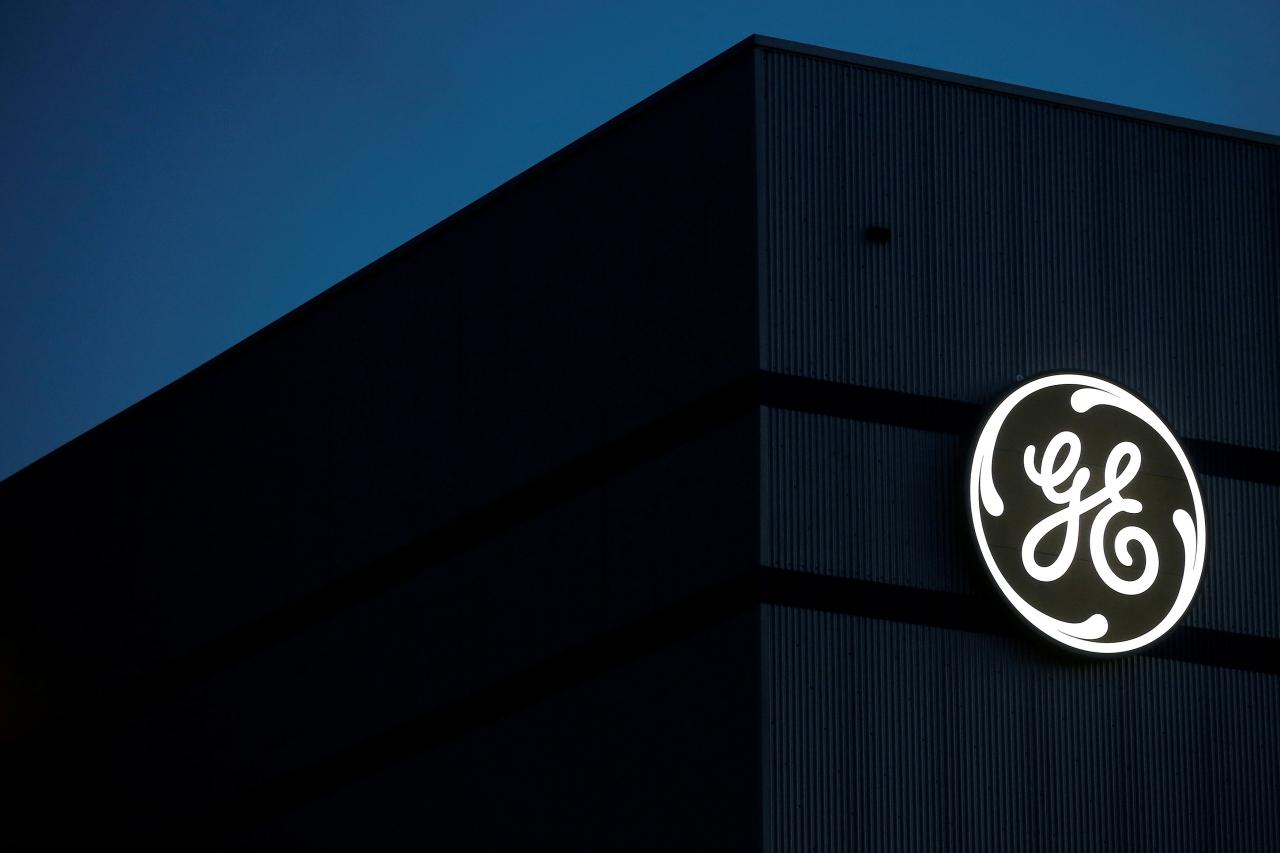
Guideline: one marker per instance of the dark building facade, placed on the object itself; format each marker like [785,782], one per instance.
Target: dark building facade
[625,509]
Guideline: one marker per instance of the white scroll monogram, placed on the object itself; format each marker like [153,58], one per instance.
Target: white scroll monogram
[1053,471]
[1075,494]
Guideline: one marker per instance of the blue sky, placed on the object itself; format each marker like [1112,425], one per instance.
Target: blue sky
[177,175]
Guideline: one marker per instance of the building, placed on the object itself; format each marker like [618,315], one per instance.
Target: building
[624,509]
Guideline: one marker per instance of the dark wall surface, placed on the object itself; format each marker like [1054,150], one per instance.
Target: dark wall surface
[904,708]
[894,736]
[1027,236]
[658,753]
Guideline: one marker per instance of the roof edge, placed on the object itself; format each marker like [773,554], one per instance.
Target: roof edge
[532,172]
[1026,92]
[752,41]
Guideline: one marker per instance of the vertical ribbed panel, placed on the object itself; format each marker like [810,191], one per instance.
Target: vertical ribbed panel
[883,503]
[863,500]
[1241,586]
[1027,236]
[658,752]
[884,736]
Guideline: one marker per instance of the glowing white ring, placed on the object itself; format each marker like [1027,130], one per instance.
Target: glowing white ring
[982,492]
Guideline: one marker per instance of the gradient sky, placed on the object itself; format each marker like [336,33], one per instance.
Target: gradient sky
[177,175]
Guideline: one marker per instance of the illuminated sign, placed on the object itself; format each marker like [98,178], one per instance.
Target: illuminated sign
[1087,513]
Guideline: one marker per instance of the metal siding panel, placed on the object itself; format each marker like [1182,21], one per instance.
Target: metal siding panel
[887,504]
[440,636]
[607,288]
[1027,236]
[884,736]
[660,753]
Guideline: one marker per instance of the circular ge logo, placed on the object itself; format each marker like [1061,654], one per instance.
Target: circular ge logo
[1087,513]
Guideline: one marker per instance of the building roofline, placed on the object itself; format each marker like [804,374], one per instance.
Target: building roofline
[462,214]
[535,170]
[1024,92]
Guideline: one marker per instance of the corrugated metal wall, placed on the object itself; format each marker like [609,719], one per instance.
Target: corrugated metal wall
[542,588]
[877,502]
[885,736]
[653,754]
[1026,236]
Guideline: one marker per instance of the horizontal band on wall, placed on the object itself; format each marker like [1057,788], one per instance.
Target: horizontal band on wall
[278,796]
[768,585]
[99,712]
[871,405]
[987,615]
[956,417]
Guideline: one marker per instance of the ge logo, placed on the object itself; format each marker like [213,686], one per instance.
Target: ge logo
[1087,513]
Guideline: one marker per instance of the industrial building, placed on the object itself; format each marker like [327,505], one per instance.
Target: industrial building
[625,509]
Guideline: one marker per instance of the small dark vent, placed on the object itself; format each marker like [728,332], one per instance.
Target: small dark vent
[878,234]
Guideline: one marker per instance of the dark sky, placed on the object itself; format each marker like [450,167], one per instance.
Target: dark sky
[177,175]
